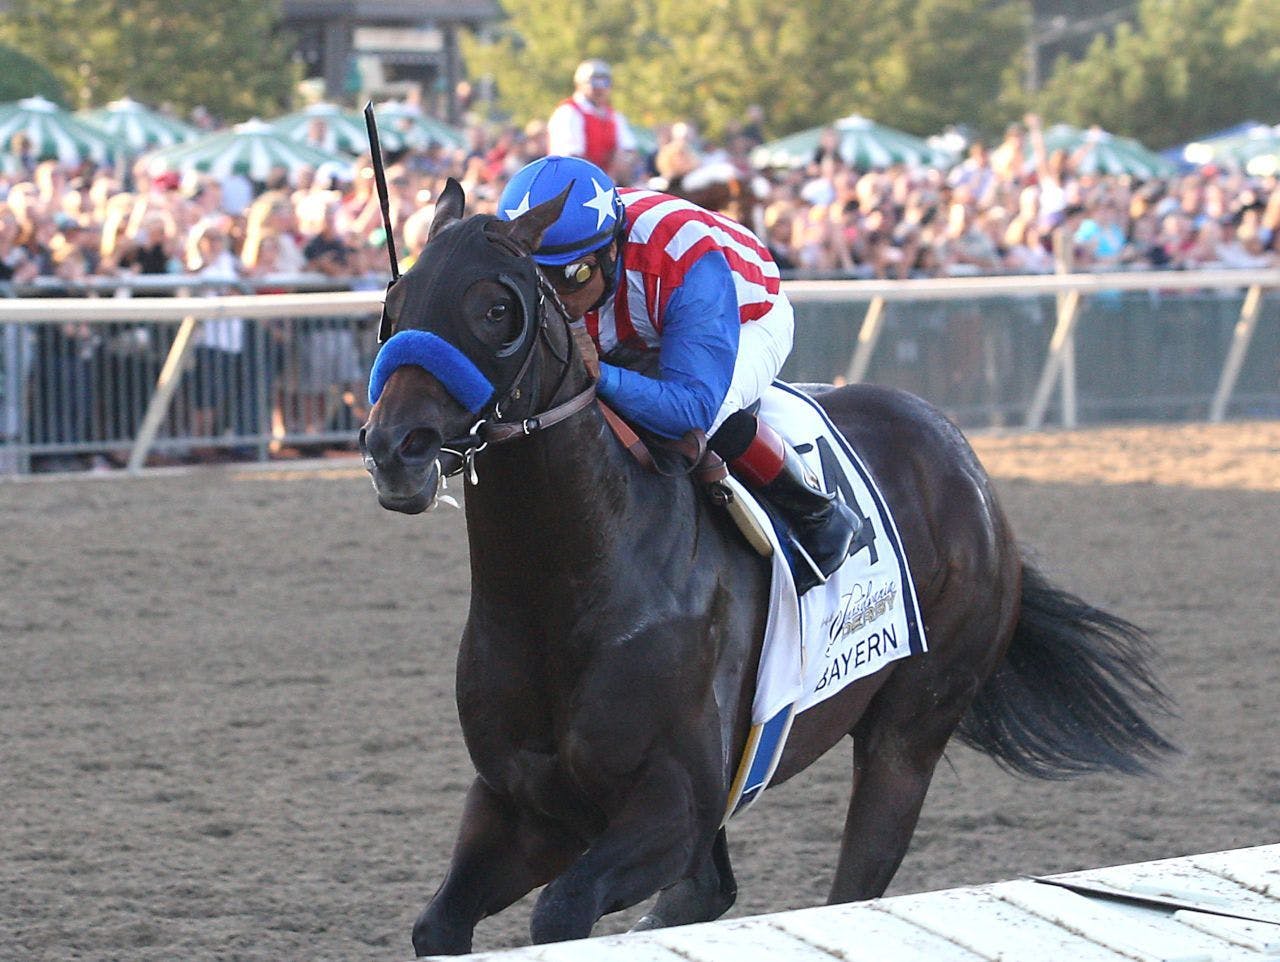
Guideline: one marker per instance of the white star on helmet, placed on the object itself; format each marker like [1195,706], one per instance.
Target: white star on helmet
[601,203]
[521,208]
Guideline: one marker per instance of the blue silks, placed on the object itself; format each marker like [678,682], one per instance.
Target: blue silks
[436,356]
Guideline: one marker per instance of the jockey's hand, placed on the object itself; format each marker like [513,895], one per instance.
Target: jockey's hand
[586,349]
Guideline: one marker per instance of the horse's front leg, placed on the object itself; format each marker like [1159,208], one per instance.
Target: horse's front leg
[647,845]
[702,896]
[501,855]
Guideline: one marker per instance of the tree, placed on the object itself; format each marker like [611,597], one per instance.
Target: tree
[915,64]
[953,62]
[20,76]
[224,54]
[1189,67]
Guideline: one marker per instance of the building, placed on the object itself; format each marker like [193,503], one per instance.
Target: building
[1066,28]
[387,47]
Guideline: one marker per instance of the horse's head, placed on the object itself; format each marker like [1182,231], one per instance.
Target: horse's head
[470,328]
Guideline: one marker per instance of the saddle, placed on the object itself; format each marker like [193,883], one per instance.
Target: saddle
[700,463]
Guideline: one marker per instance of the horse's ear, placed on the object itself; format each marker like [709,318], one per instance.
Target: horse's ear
[527,229]
[448,207]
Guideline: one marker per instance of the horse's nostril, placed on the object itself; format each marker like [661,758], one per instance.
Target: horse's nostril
[363,440]
[417,444]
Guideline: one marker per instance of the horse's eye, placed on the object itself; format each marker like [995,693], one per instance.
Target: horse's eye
[498,313]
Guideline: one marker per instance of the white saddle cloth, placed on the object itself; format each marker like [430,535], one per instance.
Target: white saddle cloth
[865,617]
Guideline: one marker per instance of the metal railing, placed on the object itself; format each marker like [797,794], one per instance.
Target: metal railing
[144,377]
[1058,368]
[184,377]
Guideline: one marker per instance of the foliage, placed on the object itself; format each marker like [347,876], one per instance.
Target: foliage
[895,61]
[20,77]
[224,54]
[954,61]
[1187,68]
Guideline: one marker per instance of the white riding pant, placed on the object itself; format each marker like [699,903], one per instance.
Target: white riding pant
[763,347]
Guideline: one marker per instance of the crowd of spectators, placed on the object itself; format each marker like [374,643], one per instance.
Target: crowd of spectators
[998,210]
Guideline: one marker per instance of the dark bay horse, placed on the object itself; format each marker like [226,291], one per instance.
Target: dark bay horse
[606,672]
[722,188]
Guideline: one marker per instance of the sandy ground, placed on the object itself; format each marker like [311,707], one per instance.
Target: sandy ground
[227,728]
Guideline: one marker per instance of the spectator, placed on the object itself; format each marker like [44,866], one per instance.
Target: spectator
[965,248]
[1010,162]
[1143,252]
[16,263]
[325,250]
[828,148]
[271,216]
[226,353]
[1028,250]
[820,190]
[974,173]
[586,125]
[679,155]
[532,147]
[1102,238]
[1176,240]
[237,193]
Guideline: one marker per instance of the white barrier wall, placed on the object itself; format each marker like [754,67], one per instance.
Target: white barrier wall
[87,381]
[1220,907]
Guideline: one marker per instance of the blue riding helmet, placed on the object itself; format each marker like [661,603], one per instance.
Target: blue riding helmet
[592,211]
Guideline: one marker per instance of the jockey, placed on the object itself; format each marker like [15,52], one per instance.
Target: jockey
[694,299]
[586,125]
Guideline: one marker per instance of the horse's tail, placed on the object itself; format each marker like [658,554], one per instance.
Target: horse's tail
[1072,695]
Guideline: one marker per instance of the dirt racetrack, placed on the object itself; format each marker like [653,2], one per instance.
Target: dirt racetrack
[227,727]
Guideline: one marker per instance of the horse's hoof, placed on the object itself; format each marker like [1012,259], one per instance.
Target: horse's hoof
[648,922]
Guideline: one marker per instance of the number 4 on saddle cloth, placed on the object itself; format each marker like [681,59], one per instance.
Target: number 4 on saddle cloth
[864,617]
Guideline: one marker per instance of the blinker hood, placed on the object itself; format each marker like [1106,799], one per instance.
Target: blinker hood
[428,298]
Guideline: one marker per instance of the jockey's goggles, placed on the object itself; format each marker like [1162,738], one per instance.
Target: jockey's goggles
[571,277]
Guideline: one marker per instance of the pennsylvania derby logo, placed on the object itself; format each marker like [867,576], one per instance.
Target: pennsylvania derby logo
[859,608]
[866,606]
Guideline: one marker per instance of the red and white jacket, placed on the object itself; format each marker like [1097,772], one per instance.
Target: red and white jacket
[578,128]
[665,235]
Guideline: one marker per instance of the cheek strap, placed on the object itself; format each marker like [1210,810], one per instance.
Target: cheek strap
[460,377]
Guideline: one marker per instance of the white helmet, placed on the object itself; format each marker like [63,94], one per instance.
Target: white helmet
[589,70]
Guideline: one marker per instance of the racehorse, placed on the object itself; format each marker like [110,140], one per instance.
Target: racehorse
[721,187]
[606,671]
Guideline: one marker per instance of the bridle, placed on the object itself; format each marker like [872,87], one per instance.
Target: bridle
[491,428]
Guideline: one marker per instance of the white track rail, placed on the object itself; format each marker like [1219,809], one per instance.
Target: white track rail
[1221,907]
[1058,368]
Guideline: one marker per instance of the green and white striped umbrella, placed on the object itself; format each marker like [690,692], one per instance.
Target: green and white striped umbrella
[863,144]
[1256,151]
[138,127]
[55,134]
[329,127]
[253,148]
[417,128]
[1097,152]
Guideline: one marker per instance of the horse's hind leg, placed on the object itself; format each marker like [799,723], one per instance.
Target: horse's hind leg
[897,745]
[706,894]
[499,857]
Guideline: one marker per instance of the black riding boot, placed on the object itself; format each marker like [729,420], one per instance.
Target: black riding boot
[823,525]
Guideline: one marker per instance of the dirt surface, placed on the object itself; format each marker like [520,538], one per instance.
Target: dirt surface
[227,727]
